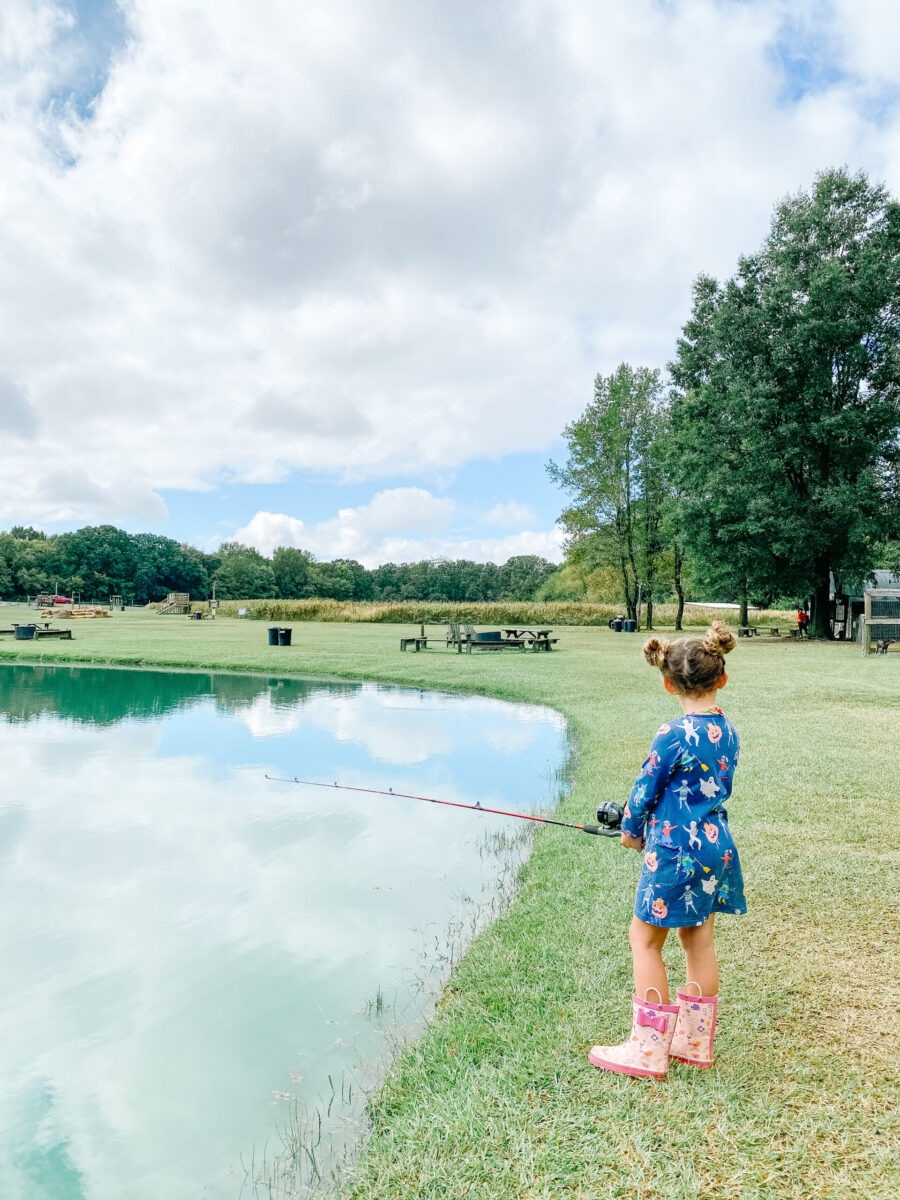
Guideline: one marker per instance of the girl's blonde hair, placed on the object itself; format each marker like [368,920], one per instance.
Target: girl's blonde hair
[692,664]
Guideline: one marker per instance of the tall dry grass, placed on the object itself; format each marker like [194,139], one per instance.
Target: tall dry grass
[548,614]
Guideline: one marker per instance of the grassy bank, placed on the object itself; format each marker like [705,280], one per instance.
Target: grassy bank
[497,1099]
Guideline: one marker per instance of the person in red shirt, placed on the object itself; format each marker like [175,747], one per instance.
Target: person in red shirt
[803,622]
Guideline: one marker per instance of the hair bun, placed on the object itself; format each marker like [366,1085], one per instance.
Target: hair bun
[719,640]
[655,651]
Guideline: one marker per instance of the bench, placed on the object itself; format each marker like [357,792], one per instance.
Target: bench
[748,630]
[60,633]
[419,643]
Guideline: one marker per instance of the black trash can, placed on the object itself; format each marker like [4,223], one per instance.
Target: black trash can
[617,625]
[25,632]
[284,637]
[273,635]
[630,626]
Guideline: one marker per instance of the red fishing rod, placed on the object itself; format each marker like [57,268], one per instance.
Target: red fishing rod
[609,815]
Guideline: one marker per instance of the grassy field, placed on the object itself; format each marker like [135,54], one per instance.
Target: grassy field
[497,1100]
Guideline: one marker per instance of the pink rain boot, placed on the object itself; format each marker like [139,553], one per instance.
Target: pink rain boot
[646,1053]
[696,1027]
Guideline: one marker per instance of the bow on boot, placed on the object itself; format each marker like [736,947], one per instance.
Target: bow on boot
[646,1053]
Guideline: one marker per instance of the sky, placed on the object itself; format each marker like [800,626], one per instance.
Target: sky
[337,274]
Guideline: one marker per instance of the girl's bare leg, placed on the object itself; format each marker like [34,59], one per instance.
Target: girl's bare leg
[647,942]
[700,951]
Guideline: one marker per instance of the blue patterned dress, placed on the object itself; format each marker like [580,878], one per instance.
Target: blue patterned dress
[691,867]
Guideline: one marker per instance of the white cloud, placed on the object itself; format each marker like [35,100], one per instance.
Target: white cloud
[511,513]
[383,239]
[399,525]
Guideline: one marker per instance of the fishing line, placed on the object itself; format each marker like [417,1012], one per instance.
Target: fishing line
[609,815]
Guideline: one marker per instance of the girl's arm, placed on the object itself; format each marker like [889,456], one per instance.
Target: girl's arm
[658,767]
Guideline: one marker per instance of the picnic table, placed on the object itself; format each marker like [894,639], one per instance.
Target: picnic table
[538,639]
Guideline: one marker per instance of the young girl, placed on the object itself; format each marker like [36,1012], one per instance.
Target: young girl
[676,816]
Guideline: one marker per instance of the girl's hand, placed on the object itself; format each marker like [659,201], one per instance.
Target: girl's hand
[632,843]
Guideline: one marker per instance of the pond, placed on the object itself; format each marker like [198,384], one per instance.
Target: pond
[202,964]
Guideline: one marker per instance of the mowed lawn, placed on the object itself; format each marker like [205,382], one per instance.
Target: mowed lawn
[497,1100]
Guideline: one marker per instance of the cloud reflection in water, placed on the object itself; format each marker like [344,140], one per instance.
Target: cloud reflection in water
[185,942]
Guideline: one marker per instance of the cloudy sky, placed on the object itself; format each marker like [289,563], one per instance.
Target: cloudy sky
[336,273]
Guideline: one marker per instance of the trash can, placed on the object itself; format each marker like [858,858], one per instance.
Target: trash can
[284,637]
[24,632]
[273,635]
[630,626]
[617,624]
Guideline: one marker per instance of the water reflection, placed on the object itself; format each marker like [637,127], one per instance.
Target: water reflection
[188,947]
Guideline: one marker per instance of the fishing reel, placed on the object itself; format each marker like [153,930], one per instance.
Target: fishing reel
[609,818]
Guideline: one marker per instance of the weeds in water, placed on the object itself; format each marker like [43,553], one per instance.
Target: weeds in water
[377,1006]
[315,1147]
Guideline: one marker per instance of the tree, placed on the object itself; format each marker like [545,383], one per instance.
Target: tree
[332,581]
[163,566]
[362,587]
[614,474]
[786,431]
[293,570]
[244,574]
[522,576]
[101,555]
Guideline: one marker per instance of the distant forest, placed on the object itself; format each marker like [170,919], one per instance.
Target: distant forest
[99,561]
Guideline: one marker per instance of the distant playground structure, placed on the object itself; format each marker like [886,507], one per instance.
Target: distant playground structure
[175,602]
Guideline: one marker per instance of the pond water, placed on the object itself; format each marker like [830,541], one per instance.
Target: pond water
[198,963]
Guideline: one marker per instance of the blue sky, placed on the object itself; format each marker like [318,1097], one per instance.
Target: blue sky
[337,273]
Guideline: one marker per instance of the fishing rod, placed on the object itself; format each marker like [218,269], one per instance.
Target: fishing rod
[609,815]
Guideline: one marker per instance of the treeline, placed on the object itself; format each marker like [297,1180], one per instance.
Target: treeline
[768,466]
[101,561]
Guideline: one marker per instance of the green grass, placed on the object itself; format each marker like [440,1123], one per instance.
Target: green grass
[497,1099]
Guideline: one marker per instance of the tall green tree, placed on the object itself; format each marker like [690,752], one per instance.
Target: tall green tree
[102,556]
[522,576]
[785,434]
[614,475]
[162,565]
[293,571]
[243,574]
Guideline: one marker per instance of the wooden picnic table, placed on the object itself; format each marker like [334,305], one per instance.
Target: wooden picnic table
[539,639]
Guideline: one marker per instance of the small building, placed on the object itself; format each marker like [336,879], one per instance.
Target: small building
[848,609]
